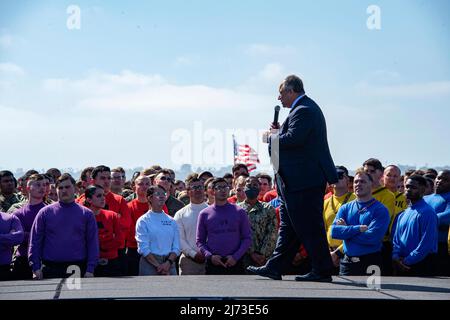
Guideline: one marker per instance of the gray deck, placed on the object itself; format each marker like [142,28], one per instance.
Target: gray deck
[228,287]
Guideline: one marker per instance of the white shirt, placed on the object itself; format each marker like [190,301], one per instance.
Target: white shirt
[157,233]
[186,219]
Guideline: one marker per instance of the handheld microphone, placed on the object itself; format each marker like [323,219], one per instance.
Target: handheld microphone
[275,116]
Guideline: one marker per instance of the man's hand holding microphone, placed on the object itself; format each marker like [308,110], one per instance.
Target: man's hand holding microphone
[274,126]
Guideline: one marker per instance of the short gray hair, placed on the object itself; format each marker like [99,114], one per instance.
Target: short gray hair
[294,83]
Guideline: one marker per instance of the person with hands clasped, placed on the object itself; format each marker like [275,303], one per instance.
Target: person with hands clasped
[157,237]
[223,233]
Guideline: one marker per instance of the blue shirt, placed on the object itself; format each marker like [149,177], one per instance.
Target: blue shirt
[375,216]
[440,204]
[295,101]
[415,234]
[275,202]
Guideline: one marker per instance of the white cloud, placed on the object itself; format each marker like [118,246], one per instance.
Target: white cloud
[17,119]
[140,92]
[11,69]
[272,72]
[98,83]
[265,81]
[415,90]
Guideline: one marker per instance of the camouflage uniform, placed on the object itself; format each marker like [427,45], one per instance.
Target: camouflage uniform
[6,203]
[173,205]
[263,222]
[126,193]
[131,197]
[23,203]
[17,206]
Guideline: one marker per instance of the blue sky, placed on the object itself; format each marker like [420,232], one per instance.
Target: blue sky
[146,82]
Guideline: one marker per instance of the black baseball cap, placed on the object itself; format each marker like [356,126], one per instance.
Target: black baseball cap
[342,169]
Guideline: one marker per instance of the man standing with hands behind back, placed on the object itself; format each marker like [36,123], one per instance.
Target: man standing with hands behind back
[304,167]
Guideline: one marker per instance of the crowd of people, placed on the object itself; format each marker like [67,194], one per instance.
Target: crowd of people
[153,224]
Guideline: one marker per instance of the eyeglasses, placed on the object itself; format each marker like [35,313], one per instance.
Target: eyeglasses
[163,178]
[160,194]
[221,188]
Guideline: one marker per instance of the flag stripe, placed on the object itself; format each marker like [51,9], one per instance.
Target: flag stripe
[243,153]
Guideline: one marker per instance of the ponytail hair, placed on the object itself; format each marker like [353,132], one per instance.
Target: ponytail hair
[89,193]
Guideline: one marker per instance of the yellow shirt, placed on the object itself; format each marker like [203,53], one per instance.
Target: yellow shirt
[330,209]
[400,202]
[448,243]
[387,198]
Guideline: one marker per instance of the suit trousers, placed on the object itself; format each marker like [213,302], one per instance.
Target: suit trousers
[5,272]
[301,222]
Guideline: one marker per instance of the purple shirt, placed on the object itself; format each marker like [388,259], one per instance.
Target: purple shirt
[223,230]
[11,234]
[64,232]
[26,216]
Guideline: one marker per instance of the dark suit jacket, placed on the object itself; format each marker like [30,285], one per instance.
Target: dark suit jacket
[304,156]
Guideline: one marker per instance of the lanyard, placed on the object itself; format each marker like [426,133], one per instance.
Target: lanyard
[363,209]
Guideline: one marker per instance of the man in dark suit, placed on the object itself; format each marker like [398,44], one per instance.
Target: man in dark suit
[303,165]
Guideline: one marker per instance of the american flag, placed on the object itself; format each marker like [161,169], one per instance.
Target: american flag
[243,153]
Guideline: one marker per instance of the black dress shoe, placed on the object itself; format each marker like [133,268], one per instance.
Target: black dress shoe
[264,272]
[314,277]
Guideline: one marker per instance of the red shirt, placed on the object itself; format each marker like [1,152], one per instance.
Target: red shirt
[328,195]
[109,233]
[137,209]
[270,195]
[116,203]
[232,199]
